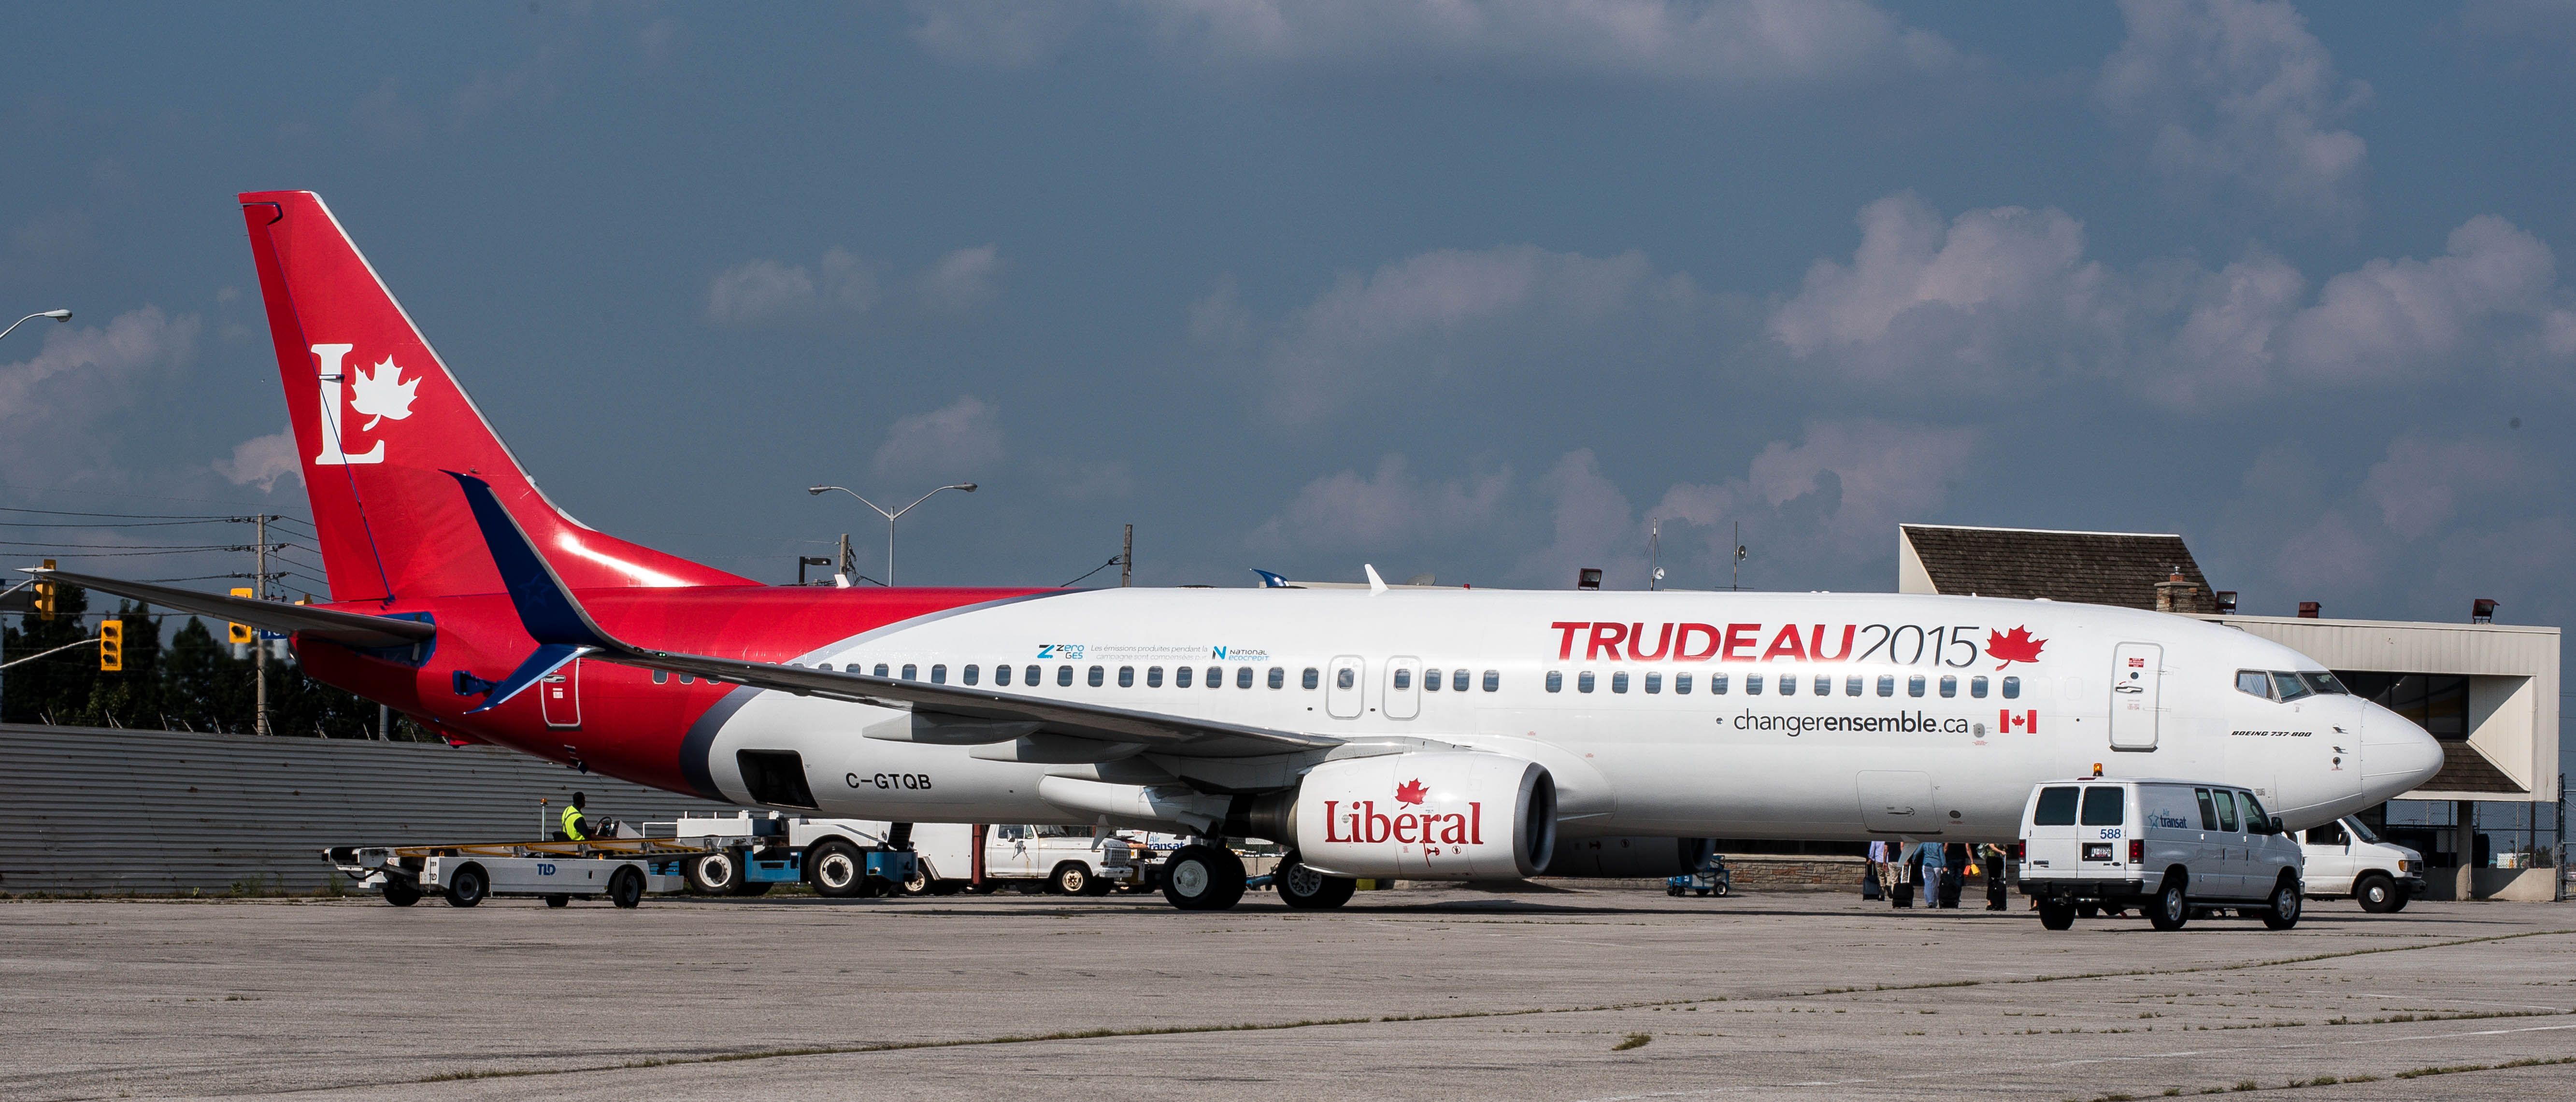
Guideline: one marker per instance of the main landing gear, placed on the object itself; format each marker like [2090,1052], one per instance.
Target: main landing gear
[1200,877]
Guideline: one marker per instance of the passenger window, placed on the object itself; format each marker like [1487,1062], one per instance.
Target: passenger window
[1313,677]
[1153,677]
[1126,677]
[1788,684]
[1403,680]
[1431,681]
[2254,683]
[1619,682]
[1977,687]
[2208,810]
[1493,681]
[1555,681]
[1654,683]
[2103,807]
[1064,676]
[1094,677]
[1279,677]
[1914,685]
[911,672]
[972,674]
[881,669]
[939,674]
[1345,678]
[1824,685]
[1681,684]
[1717,684]
[689,679]
[1181,676]
[2056,807]
[1949,686]
[1002,675]
[1887,684]
[2226,807]
[2291,687]
[2012,688]
[661,677]
[1851,685]
[1029,676]
[1216,677]
[1458,681]
[1243,677]
[1583,682]
[1752,684]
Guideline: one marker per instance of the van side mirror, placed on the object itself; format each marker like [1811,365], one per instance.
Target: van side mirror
[2275,824]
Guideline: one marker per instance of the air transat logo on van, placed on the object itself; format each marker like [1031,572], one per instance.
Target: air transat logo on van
[382,394]
[1410,792]
[2008,647]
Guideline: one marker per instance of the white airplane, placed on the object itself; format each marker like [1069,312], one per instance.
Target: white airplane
[1382,732]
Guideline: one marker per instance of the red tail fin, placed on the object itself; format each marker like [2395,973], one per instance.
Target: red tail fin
[377,418]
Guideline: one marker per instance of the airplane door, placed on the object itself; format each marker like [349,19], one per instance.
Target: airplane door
[1343,687]
[1403,698]
[560,696]
[1897,802]
[2137,677]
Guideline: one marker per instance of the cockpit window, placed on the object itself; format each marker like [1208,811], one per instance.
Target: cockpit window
[2290,685]
[2255,683]
[2324,682]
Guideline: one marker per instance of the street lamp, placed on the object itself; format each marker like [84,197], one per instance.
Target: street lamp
[969,487]
[57,315]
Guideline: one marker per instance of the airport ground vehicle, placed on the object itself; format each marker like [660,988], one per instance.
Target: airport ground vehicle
[1712,877]
[623,870]
[747,854]
[1066,860]
[2345,859]
[2171,847]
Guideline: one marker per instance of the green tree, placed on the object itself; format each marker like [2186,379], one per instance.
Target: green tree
[131,697]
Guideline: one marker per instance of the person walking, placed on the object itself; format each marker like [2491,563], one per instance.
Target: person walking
[1872,876]
[1935,862]
[1993,859]
[1909,873]
[1954,868]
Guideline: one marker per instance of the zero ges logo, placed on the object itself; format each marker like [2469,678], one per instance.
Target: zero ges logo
[1362,822]
[379,394]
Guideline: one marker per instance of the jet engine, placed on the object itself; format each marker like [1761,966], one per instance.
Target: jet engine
[1435,815]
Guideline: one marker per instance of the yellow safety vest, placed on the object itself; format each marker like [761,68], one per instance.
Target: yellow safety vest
[572,822]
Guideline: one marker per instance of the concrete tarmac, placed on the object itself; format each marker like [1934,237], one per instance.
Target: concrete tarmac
[1429,994]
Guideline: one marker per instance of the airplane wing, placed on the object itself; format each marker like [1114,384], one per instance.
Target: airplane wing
[354,629]
[564,630]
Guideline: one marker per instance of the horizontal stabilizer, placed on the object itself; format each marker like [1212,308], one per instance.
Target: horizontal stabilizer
[352,629]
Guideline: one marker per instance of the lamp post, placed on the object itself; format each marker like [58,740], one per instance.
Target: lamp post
[890,518]
[57,315]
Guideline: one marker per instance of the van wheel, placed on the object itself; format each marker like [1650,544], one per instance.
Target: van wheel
[2056,914]
[626,887]
[1203,878]
[467,887]
[1071,878]
[1307,890]
[2285,905]
[837,871]
[2169,909]
[2377,893]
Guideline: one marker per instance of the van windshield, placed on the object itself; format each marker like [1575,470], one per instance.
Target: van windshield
[2104,807]
[2056,808]
[2359,830]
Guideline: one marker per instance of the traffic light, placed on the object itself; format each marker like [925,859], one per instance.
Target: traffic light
[242,633]
[45,596]
[111,645]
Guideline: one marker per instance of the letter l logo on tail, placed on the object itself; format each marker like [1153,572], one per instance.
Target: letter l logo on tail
[332,383]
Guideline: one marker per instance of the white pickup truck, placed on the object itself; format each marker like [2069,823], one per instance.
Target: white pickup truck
[1067,860]
[2345,859]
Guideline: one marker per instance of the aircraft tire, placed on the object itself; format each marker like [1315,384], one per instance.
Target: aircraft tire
[1203,878]
[1307,890]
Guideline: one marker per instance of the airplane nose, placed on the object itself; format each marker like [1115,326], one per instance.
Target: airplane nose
[2396,755]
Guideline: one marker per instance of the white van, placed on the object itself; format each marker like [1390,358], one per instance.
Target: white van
[2345,859]
[2166,846]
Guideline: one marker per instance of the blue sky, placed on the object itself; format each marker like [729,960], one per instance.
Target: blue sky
[1480,290]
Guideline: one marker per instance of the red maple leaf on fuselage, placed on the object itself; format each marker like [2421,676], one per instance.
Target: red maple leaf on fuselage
[1410,792]
[2008,647]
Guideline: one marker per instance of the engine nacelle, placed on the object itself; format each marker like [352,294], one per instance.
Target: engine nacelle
[1436,815]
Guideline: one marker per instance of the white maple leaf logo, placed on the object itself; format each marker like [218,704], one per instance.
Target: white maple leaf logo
[382,394]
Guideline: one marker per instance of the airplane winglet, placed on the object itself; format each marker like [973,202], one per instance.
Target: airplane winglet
[545,604]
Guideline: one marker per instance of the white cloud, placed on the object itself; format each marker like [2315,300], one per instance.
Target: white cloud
[2420,485]
[1834,498]
[962,280]
[2004,297]
[766,290]
[1442,314]
[1716,44]
[1593,526]
[52,402]
[958,441]
[2236,97]
[1392,508]
[262,460]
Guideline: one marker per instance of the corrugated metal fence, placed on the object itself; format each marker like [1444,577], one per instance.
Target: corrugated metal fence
[87,809]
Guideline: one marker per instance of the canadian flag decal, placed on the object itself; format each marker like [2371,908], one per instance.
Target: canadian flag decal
[2027,722]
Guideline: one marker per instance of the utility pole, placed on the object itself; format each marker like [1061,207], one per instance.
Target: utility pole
[849,571]
[1127,559]
[259,646]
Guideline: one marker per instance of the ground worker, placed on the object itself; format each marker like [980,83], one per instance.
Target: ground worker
[575,827]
